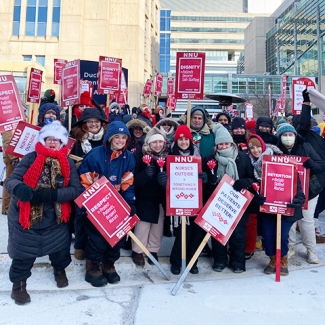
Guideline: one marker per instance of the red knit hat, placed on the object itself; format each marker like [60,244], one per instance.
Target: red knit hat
[251,126]
[256,140]
[85,99]
[183,132]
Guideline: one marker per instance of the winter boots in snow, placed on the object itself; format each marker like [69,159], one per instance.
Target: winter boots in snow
[60,278]
[110,273]
[19,293]
[284,266]
[94,275]
[270,268]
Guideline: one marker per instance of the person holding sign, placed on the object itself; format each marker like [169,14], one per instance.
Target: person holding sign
[42,187]
[183,146]
[293,144]
[150,189]
[235,164]
[116,163]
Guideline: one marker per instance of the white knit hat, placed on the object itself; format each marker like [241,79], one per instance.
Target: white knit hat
[54,129]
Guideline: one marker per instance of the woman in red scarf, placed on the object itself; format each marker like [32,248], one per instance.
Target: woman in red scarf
[42,186]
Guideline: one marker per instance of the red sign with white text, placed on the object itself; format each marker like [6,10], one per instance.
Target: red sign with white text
[107,210]
[11,108]
[58,66]
[158,84]
[224,209]
[190,68]
[184,188]
[249,111]
[279,184]
[109,74]
[171,103]
[298,86]
[24,139]
[70,83]
[34,87]
[147,88]
[170,87]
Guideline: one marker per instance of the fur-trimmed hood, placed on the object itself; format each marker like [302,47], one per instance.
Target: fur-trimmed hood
[174,125]
[138,123]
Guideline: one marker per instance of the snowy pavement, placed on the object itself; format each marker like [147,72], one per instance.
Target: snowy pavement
[144,296]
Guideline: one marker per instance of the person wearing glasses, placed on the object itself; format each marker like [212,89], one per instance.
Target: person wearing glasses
[42,186]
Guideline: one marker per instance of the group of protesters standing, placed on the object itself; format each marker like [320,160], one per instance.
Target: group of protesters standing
[42,215]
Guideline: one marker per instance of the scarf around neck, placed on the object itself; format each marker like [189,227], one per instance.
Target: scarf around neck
[86,145]
[257,163]
[226,162]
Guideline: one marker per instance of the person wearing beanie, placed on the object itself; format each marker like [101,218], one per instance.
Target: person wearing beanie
[201,129]
[235,164]
[239,133]
[43,185]
[150,190]
[264,126]
[290,143]
[47,113]
[183,146]
[116,163]
[167,126]
[49,94]
[143,113]
[251,126]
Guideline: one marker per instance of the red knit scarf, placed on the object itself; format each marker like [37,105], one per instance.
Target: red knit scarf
[33,174]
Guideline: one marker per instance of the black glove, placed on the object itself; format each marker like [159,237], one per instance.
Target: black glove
[240,184]
[305,95]
[150,170]
[23,192]
[204,177]
[213,179]
[162,179]
[133,208]
[309,163]
[44,196]
[259,199]
[296,203]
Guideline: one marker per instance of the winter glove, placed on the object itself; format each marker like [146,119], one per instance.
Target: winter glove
[44,196]
[23,192]
[309,164]
[133,208]
[305,95]
[240,184]
[150,170]
[296,203]
[213,179]
[162,179]
[204,177]
[259,199]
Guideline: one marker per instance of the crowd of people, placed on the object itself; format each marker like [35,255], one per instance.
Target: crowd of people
[40,188]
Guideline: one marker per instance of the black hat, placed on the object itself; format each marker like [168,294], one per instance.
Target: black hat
[238,122]
[91,113]
[264,121]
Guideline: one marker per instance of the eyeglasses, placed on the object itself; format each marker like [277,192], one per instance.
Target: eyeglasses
[92,122]
[52,140]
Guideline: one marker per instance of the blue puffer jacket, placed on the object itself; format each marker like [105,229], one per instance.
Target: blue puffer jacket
[116,166]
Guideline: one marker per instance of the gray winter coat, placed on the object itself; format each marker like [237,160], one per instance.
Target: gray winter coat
[46,236]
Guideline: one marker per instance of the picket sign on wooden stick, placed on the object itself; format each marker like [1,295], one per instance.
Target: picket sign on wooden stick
[190,264]
[183,243]
[278,248]
[145,250]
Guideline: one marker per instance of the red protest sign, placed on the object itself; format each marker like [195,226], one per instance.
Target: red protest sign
[109,74]
[190,68]
[184,189]
[34,86]
[170,87]
[221,214]
[298,86]
[283,93]
[158,84]
[171,103]
[70,83]
[147,88]
[86,85]
[249,111]
[107,210]
[25,138]
[58,66]
[12,110]
[279,184]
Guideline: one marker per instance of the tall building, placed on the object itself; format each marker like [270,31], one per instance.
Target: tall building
[34,32]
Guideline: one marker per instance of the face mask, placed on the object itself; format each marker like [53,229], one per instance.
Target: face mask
[48,120]
[288,141]
[239,138]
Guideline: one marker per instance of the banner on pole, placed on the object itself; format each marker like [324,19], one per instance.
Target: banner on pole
[70,83]
[58,66]
[147,88]
[297,87]
[34,86]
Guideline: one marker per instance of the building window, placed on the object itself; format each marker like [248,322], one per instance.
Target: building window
[36,17]
[16,18]
[27,57]
[40,59]
[56,18]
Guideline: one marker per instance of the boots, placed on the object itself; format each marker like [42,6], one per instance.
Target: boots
[94,275]
[284,266]
[270,268]
[60,278]
[79,254]
[19,293]
[110,273]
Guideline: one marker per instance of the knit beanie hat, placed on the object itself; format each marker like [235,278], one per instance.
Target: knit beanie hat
[183,132]
[251,126]
[54,129]
[49,95]
[285,127]
[85,99]
[256,140]
[238,122]
[221,134]
[264,121]
[153,135]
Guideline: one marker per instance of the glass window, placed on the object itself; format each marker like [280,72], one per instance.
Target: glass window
[17,2]
[27,57]
[41,29]
[42,3]
[31,3]
[30,29]
[31,14]
[56,15]
[40,59]
[42,15]
[55,29]
[16,18]
[56,3]
[56,18]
